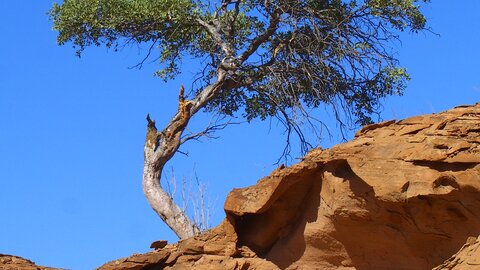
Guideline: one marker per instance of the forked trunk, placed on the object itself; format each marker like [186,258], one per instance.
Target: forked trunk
[160,148]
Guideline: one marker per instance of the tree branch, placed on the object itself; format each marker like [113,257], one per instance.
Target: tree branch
[216,36]
[208,131]
[160,148]
[259,40]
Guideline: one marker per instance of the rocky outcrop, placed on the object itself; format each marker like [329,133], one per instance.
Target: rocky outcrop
[401,195]
[9,262]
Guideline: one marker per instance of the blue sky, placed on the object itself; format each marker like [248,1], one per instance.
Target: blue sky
[72,133]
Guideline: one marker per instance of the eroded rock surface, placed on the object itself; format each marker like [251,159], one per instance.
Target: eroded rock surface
[401,195]
[9,262]
[467,258]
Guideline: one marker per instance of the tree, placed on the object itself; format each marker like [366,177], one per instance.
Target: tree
[260,59]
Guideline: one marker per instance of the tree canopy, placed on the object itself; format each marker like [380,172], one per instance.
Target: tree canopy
[284,54]
[259,58]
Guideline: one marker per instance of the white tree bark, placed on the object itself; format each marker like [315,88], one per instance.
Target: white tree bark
[163,205]
[160,148]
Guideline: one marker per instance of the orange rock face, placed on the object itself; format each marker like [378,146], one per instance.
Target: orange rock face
[401,195]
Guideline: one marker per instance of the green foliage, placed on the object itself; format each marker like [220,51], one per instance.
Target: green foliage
[117,22]
[314,52]
[400,13]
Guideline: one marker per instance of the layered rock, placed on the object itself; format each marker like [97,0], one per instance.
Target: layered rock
[401,195]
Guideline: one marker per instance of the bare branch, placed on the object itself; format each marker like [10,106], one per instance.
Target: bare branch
[150,49]
[208,132]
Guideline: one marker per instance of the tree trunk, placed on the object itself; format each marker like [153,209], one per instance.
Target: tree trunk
[160,148]
[162,203]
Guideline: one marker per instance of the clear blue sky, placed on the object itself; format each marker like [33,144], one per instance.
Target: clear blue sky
[72,133]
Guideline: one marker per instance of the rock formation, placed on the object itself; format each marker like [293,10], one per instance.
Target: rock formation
[401,195]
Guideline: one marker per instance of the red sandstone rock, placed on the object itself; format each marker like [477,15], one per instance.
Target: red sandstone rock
[159,244]
[401,195]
